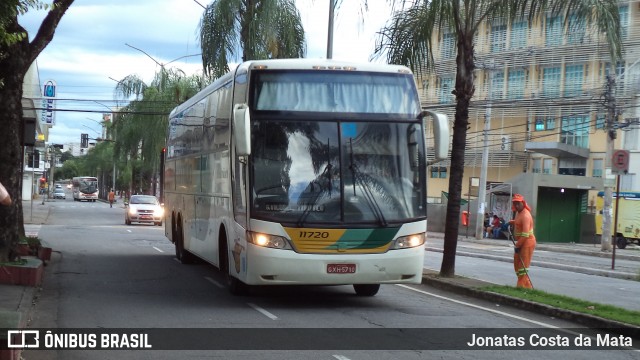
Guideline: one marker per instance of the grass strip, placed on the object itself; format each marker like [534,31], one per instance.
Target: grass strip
[565,302]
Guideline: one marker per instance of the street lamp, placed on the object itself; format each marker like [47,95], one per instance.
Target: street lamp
[162,65]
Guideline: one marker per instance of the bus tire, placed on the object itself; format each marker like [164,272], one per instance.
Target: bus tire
[183,255]
[621,242]
[366,289]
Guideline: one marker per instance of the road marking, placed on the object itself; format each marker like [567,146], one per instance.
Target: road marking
[214,282]
[479,307]
[157,249]
[128,230]
[341,357]
[263,311]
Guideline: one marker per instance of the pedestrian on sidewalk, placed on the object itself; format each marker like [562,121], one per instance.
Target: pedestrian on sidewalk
[5,198]
[525,240]
[112,197]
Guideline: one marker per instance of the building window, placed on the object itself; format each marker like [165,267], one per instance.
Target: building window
[551,82]
[553,31]
[518,35]
[448,45]
[540,121]
[575,131]
[623,13]
[497,84]
[536,167]
[438,172]
[576,30]
[446,86]
[546,166]
[573,80]
[597,168]
[551,122]
[516,84]
[575,167]
[498,37]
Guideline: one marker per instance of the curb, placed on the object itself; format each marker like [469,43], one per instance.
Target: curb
[431,278]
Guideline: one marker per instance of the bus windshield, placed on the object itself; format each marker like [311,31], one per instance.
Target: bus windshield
[301,175]
[88,185]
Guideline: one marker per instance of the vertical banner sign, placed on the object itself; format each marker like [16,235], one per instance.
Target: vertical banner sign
[48,103]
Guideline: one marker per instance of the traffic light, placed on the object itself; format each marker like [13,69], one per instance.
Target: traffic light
[84,140]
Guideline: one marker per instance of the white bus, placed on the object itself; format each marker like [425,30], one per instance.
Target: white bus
[85,188]
[286,172]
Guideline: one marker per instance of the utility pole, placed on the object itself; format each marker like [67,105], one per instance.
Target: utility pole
[332,6]
[610,104]
[482,188]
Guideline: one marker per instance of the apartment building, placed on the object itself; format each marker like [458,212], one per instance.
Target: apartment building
[542,88]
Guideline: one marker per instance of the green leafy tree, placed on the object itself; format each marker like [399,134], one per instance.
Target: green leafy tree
[259,29]
[407,39]
[17,53]
[140,128]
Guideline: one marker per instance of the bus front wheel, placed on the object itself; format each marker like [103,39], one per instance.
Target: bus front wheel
[235,286]
[366,289]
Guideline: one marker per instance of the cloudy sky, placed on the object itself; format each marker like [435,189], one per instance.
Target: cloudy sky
[88,49]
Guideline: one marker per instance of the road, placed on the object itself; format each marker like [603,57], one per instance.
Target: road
[106,275]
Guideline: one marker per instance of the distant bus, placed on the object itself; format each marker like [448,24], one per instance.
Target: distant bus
[308,172]
[85,188]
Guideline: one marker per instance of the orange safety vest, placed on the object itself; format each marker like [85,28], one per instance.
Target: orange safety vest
[523,229]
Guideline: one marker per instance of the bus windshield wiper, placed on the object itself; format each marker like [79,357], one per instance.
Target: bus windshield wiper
[326,173]
[368,195]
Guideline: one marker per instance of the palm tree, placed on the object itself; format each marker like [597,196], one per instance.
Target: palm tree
[260,29]
[407,39]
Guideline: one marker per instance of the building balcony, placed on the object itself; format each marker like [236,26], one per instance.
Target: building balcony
[557,150]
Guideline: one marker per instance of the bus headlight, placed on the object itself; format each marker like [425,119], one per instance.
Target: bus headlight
[409,241]
[270,241]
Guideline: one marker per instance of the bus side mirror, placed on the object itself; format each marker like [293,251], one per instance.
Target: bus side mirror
[241,129]
[440,133]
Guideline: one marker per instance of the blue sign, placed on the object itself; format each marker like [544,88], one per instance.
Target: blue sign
[49,89]
[48,115]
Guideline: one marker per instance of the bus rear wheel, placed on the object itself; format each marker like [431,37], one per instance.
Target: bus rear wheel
[184,256]
[366,289]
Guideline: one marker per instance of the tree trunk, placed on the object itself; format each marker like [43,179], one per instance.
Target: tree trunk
[11,221]
[464,91]
[15,60]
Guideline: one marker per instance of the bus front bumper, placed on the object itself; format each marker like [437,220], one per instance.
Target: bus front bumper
[266,266]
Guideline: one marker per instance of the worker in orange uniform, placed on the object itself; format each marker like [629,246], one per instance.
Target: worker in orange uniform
[525,240]
[112,197]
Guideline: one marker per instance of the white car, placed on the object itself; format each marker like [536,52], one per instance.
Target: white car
[59,194]
[143,209]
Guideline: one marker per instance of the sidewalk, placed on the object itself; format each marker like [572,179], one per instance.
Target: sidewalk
[632,253]
[16,300]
